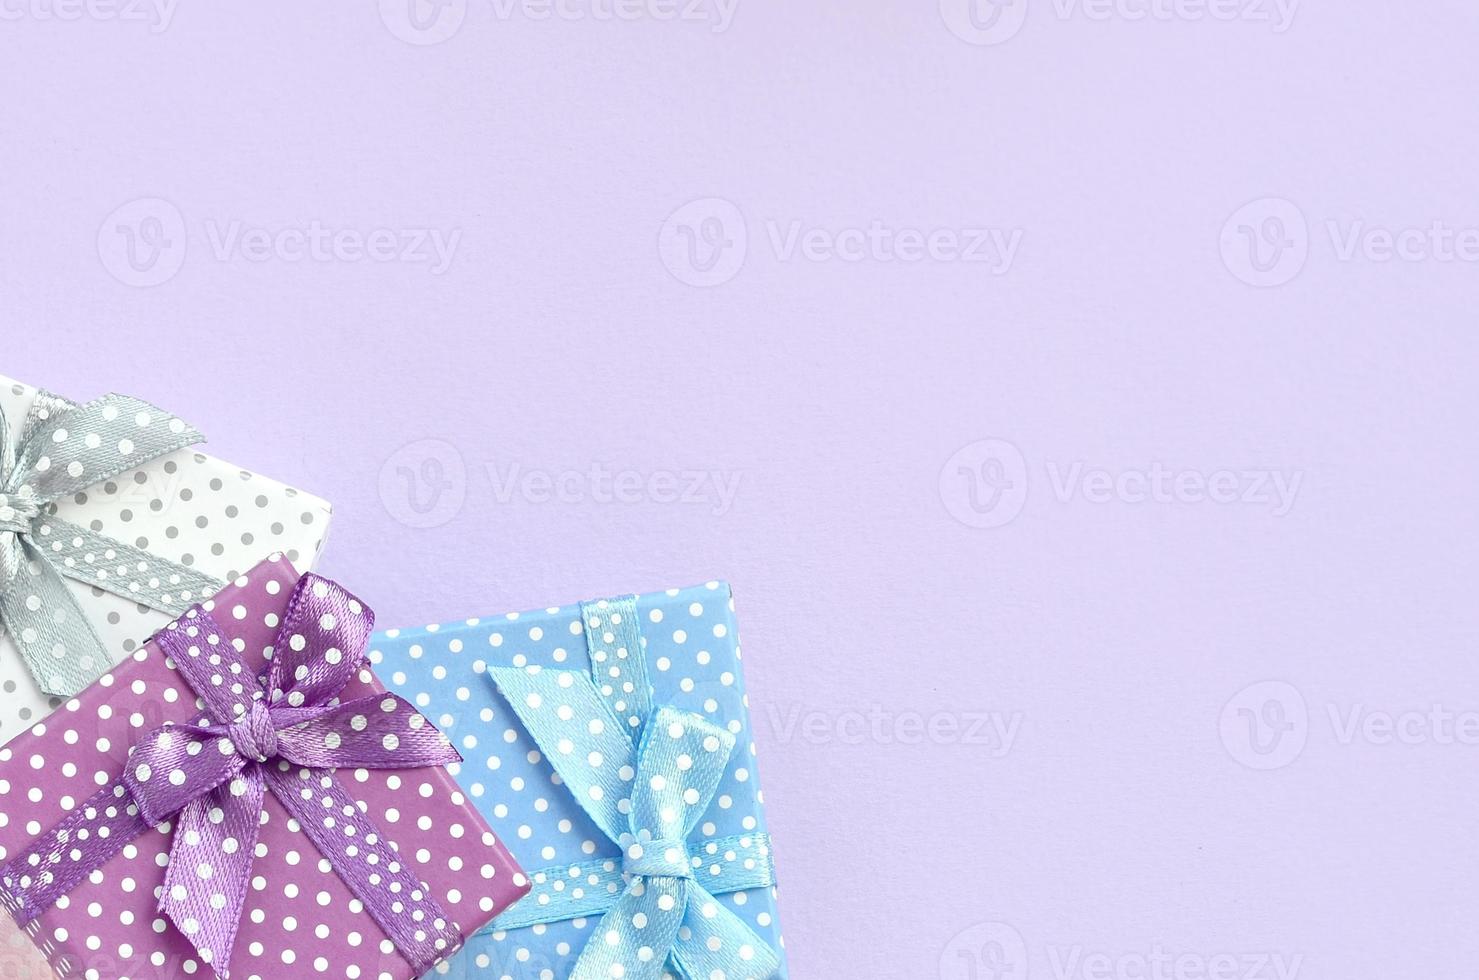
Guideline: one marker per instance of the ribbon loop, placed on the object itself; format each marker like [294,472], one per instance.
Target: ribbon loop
[680,765]
[320,645]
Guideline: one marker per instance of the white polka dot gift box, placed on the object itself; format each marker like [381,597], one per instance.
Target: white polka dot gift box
[110,524]
[609,743]
[243,798]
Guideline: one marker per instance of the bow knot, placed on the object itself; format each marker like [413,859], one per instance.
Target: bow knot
[18,510]
[666,858]
[255,735]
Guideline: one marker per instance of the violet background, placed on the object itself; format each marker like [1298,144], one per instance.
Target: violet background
[1125,818]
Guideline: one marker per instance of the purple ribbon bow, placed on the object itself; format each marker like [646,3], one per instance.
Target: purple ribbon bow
[285,735]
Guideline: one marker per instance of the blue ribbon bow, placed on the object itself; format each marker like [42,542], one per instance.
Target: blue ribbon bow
[646,774]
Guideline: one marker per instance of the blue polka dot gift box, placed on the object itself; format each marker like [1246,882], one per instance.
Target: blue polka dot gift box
[111,524]
[609,744]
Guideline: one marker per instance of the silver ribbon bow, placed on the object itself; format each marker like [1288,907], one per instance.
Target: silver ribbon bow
[63,449]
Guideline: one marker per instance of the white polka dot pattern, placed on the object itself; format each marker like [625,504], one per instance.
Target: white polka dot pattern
[186,507]
[693,663]
[299,918]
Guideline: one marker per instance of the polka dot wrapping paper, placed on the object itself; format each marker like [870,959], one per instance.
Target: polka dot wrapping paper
[693,664]
[300,918]
[185,507]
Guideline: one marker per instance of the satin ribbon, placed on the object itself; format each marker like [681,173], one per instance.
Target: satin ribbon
[646,774]
[63,449]
[285,735]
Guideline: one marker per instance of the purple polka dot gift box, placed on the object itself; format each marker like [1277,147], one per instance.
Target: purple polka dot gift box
[609,743]
[110,525]
[243,798]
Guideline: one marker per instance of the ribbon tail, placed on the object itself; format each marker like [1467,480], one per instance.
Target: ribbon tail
[402,904]
[572,724]
[210,865]
[53,634]
[618,665]
[632,940]
[715,942]
[324,632]
[174,765]
[105,563]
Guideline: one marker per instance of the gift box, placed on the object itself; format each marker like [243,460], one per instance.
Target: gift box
[127,818]
[609,743]
[111,522]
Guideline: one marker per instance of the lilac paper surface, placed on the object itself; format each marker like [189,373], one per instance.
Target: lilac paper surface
[300,917]
[1105,632]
